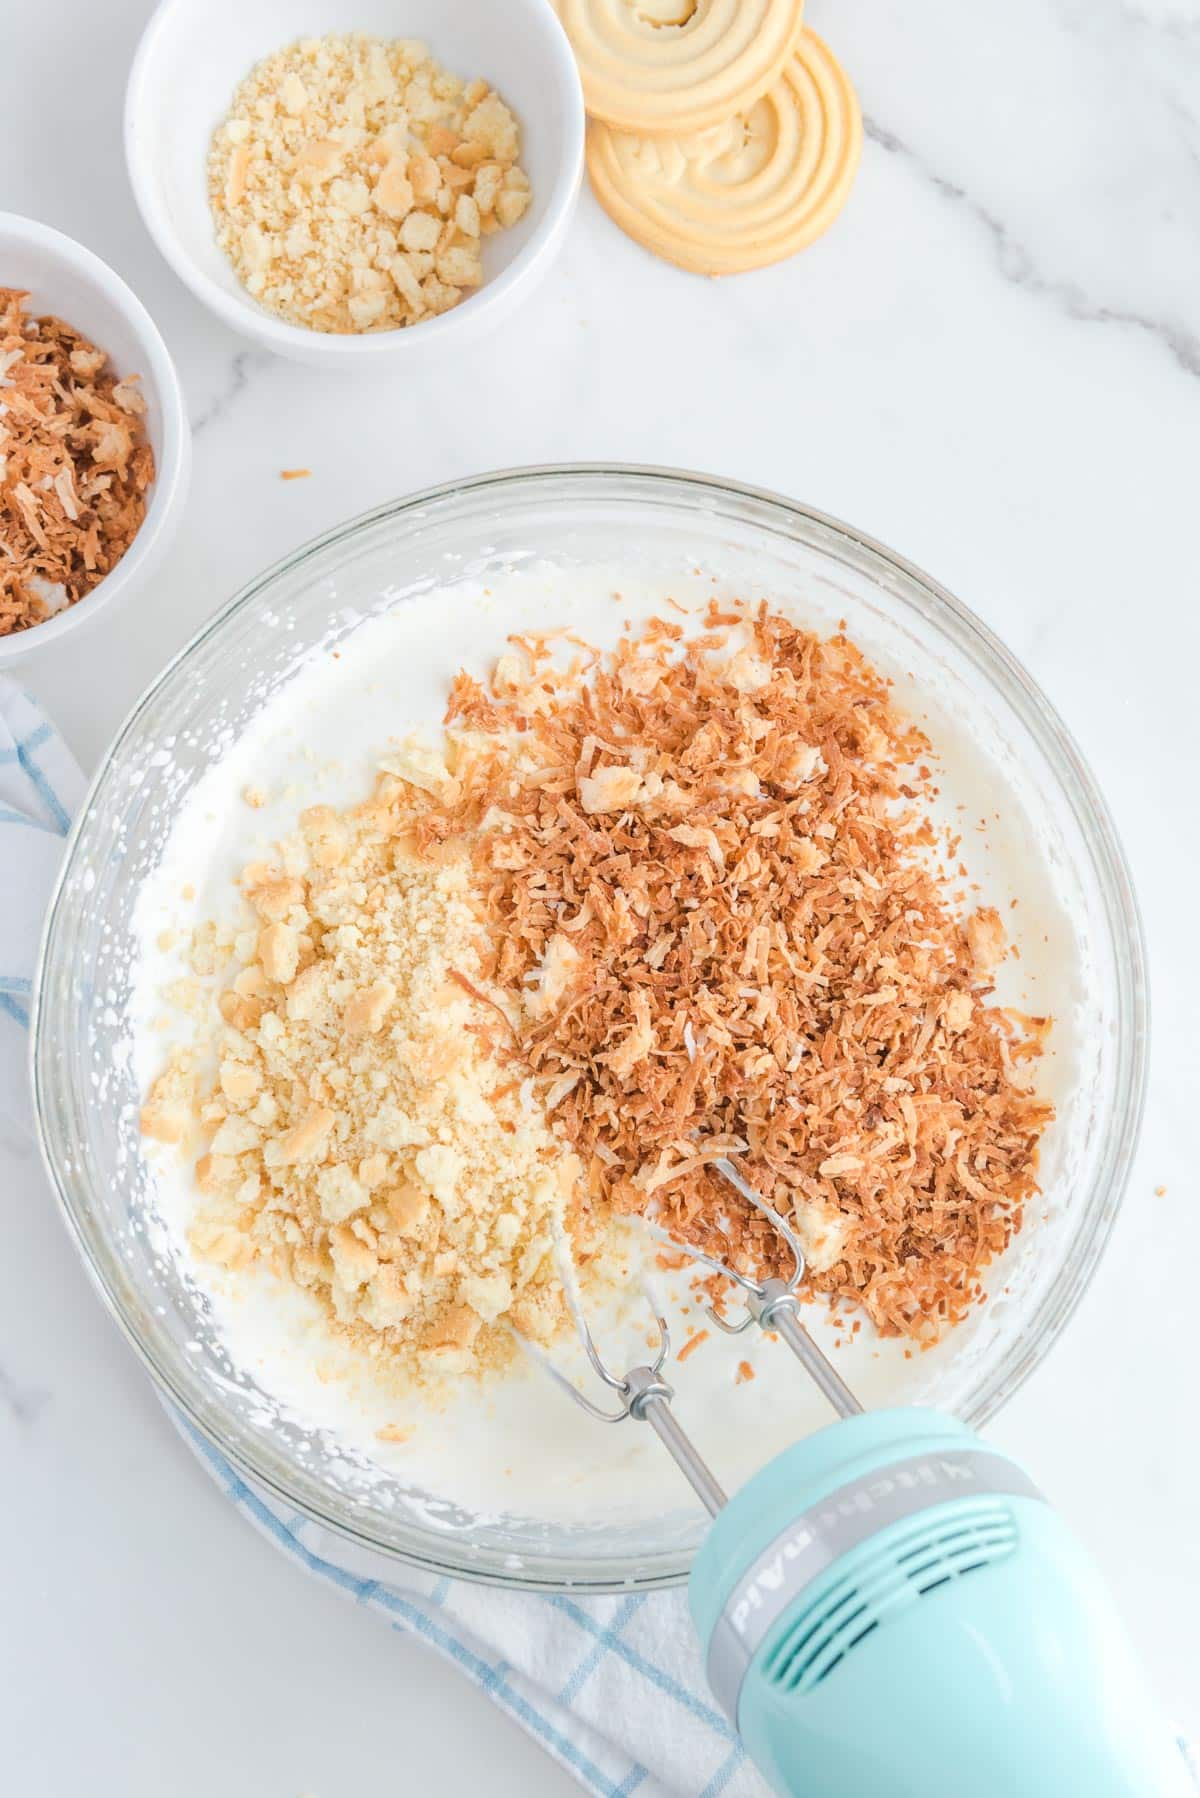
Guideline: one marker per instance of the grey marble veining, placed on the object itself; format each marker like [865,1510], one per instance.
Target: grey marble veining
[1015,263]
[23,1403]
[242,368]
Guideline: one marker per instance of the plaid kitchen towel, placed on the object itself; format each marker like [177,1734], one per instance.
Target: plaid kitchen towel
[40,787]
[612,1688]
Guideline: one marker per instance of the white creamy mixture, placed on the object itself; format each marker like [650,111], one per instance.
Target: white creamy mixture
[520,1446]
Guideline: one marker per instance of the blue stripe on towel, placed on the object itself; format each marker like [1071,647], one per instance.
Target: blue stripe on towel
[27,745]
[647,1669]
[8,816]
[491,1679]
[596,1653]
[10,1007]
[724,1774]
[25,754]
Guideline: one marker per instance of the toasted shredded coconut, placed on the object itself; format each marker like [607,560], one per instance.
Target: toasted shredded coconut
[74,465]
[765,962]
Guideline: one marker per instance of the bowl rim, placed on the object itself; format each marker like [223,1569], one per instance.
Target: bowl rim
[243,314]
[1122,916]
[172,464]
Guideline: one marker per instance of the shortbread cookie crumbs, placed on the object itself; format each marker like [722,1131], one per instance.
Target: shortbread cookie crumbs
[360,1135]
[354,179]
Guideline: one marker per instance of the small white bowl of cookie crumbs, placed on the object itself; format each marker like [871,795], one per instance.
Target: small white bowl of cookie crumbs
[348,182]
[94,443]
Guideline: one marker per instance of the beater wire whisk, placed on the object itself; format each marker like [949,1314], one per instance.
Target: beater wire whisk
[772,1304]
[644,1395]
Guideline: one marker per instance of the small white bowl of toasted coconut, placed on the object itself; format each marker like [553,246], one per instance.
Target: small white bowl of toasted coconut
[276,166]
[94,443]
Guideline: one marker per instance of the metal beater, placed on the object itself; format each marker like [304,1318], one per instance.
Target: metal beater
[645,1396]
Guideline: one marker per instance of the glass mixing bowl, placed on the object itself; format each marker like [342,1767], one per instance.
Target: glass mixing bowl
[659,523]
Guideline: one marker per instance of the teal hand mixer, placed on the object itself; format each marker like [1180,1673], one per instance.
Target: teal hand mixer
[890,1609]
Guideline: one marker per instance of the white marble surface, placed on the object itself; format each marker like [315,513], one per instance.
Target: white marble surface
[993,364]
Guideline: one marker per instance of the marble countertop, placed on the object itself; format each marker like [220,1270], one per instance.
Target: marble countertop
[993,364]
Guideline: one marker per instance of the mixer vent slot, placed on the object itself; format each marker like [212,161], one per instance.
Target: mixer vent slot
[929,1555]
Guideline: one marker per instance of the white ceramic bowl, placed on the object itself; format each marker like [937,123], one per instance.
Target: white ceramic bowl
[64,278]
[192,57]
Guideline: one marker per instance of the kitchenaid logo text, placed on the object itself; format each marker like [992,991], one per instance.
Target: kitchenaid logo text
[858,1501]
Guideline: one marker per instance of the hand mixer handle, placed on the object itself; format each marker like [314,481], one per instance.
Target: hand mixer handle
[890,1609]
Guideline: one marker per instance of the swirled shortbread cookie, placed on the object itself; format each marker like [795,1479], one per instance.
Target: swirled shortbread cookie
[747,192]
[677,66]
